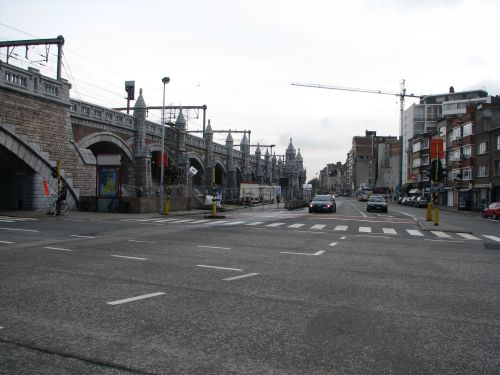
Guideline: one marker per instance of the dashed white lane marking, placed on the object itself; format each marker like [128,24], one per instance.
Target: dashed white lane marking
[468,236]
[296,225]
[414,232]
[365,229]
[255,223]
[494,238]
[181,221]
[127,257]
[140,241]
[389,230]
[215,247]
[274,225]
[234,223]
[120,301]
[240,277]
[440,234]
[318,226]
[333,244]
[341,227]
[219,268]
[6,221]
[7,242]
[78,236]
[215,222]
[20,230]
[199,221]
[56,248]
[316,253]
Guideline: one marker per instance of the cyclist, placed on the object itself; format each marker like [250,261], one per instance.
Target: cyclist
[61,198]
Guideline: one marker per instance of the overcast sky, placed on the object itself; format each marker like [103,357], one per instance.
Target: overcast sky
[240,58]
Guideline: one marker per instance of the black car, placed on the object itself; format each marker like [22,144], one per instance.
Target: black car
[323,203]
[376,203]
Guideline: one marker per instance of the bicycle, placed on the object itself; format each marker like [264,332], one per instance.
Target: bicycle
[53,209]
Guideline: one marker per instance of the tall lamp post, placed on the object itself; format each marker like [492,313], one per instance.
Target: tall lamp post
[165,80]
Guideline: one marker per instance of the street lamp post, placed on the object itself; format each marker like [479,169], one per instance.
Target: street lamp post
[165,80]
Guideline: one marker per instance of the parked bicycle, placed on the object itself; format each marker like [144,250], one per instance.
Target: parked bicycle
[57,206]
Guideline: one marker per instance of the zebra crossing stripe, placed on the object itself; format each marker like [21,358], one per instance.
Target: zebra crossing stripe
[274,225]
[440,234]
[468,236]
[318,226]
[199,221]
[389,230]
[414,232]
[494,238]
[255,223]
[182,221]
[163,220]
[296,225]
[365,229]
[341,227]
[235,223]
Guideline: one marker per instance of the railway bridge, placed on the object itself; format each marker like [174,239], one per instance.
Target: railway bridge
[106,154]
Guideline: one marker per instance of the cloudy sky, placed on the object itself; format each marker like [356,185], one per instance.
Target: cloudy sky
[240,58]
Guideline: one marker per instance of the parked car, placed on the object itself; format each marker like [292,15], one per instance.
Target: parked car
[421,202]
[323,203]
[493,211]
[409,201]
[376,203]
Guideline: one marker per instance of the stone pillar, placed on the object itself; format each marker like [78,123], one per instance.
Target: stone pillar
[245,149]
[209,155]
[258,167]
[231,183]
[142,157]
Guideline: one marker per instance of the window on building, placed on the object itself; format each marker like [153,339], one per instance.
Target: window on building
[482,148]
[442,131]
[416,163]
[467,129]
[497,167]
[425,144]
[467,152]
[498,142]
[425,160]
[455,154]
[467,174]
[417,146]
[482,171]
[85,110]
[455,133]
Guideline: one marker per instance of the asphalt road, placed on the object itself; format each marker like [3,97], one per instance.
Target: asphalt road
[262,291]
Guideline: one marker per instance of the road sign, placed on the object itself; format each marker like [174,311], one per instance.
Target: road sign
[436,148]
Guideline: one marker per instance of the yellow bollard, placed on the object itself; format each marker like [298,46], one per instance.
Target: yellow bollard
[166,206]
[436,216]
[429,212]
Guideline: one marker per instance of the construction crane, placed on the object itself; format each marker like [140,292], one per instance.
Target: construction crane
[401,94]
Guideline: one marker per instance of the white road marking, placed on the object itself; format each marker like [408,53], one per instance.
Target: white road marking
[255,223]
[457,241]
[215,247]
[494,238]
[118,302]
[318,226]
[234,223]
[7,242]
[141,220]
[56,248]
[333,244]
[163,220]
[200,221]
[316,253]
[343,237]
[181,221]
[414,232]
[440,234]
[219,268]
[365,229]
[216,222]
[389,230]
[362,213]
[274,225]
[20,230]
[6,221]
[76,235]
[126,257]
[240,277]
[468,236]
[139,241]
[341,227]
[296,225]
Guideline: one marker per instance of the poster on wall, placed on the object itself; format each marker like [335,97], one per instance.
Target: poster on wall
[108,182]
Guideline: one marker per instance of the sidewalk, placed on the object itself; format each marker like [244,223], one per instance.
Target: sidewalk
[226,210]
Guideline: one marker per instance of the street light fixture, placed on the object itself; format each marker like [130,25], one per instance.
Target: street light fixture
[165,80]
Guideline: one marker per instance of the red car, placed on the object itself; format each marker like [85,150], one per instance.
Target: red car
[493,211]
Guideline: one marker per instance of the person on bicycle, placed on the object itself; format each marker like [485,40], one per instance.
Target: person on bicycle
[61,197]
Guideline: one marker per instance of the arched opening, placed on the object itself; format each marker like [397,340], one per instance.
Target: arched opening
[197,179]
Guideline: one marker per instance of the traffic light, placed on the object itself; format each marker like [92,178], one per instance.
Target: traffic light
[436,168]
[54,172]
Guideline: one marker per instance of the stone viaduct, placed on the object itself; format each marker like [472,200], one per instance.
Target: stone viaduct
[106,153]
